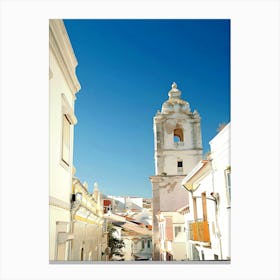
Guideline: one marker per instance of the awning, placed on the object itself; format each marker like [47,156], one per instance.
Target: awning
[188,180]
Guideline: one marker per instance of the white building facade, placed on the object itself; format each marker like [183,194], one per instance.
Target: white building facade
[172,236]
[138,247]
[208,218]
[134,224]
[88,224]
[63,86]
[178,148]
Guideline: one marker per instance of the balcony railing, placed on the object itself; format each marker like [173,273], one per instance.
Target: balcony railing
[199,231]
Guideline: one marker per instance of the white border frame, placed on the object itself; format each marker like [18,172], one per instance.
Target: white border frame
[255,137]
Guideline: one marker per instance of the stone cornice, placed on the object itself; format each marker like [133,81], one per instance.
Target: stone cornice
[160,178]
[79,187]
[60,45]
[92,219]
[59,203]
[178,149]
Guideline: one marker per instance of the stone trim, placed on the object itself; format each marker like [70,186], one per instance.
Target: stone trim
[53,201]
[61,46]
[96,221]
[160,178]
[182,149]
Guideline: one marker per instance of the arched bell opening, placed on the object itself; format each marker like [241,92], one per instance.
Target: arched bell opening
[178,135]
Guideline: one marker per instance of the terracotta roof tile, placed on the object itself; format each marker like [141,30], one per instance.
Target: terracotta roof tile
[107,202]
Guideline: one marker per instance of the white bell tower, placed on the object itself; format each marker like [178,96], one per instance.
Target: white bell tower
[178,148]
[177,136]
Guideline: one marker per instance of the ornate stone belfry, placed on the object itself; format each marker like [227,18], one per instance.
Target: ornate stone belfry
[178,148]
[177,135]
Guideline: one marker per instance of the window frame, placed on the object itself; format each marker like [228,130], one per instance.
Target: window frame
[180,230]
[143,244]
[227,174]
[68,114]
[66,137]
[180,169]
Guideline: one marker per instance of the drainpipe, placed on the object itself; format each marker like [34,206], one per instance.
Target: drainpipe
[75,206]
[216,197]
[85,236]
[217,202]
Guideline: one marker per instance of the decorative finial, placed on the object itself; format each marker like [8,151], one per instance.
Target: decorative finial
[174,92]
[196,114]
[73,170]
[85,185]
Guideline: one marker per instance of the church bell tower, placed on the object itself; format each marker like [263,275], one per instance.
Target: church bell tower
[177,136]
[178,148]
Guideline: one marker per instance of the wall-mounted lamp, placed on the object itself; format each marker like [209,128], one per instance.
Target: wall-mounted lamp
[76,201]
[216,196]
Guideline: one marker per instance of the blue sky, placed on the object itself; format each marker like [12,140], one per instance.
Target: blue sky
[126,68]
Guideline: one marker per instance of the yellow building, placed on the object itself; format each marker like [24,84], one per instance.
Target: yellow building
[63,86]
[88,225]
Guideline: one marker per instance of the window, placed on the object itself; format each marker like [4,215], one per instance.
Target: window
[177,229]
[149,244]
[179,166]
[143,244]
[66,140]
[228,184]
[68,119]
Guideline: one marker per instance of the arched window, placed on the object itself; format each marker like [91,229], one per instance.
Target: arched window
[178,135]
[82,254]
